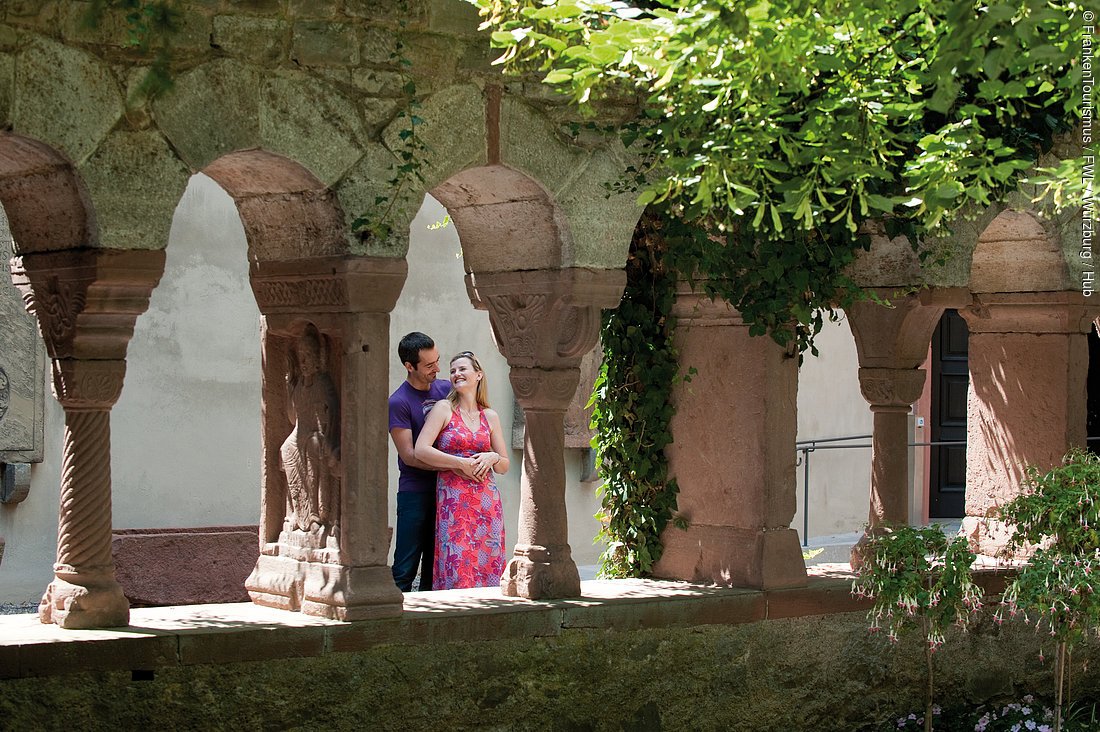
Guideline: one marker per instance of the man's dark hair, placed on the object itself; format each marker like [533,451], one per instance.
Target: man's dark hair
[408,350]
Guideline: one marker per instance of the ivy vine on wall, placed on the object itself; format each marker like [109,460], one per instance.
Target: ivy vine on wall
[631,408]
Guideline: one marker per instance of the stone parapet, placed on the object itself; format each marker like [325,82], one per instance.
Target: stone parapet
[188,566]
[774,654]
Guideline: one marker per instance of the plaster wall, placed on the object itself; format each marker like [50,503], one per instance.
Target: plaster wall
[830,405]
[186,431]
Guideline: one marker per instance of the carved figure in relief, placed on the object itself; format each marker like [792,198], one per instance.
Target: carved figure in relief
[310,455]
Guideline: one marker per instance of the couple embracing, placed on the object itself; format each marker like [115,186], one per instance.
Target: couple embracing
[450,522]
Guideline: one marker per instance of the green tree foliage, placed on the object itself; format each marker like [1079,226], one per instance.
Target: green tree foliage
[777,127]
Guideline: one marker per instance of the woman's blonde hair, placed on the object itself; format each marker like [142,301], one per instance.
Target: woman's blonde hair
[482,395]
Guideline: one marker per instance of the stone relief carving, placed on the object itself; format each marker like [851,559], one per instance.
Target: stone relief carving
[88,384]
[578,435]
[305,293]
[310,455]
[22,371]
[896,388]
[57,308]
[519,317]
[579,329]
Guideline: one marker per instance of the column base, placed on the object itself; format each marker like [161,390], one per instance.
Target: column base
[541,573]
[990,537]
[276,582]
[731,557]
[77,603]
[332,591]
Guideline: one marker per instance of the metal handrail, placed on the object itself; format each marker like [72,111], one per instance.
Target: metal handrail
[807,446]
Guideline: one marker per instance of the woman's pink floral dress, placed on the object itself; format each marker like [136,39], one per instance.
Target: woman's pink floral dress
[469,519]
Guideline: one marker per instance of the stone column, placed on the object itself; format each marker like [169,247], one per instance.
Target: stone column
[86,303]
[544,321]
[891,344]
[1028,397]
[732,454]
[891,394]
[323,525]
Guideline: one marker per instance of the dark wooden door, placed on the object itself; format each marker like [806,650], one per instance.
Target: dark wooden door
[950,380]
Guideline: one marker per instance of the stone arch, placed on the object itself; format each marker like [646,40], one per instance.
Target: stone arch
[86,300]
[46,201]
[288,214]
[494,207]
[1016,252]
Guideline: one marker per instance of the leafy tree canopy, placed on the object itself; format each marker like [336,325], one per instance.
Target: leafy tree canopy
[772,129]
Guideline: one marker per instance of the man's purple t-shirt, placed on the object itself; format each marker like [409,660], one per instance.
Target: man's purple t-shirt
[409,408]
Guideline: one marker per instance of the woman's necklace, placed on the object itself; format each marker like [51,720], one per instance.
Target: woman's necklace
[467,416]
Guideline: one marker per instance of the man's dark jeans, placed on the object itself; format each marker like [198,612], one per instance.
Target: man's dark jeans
[415,545]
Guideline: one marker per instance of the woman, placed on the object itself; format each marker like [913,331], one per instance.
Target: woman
[462,437]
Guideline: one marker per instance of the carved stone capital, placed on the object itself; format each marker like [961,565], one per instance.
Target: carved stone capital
[891,389]
[328,285]
[80,385]
[544,390]
[545,318]
[693,308]
[894,336]
[86,301]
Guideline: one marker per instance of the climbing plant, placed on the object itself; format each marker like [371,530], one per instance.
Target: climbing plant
[407,168]
[631,409]
[777,128]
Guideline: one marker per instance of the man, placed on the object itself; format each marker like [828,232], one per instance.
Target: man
[409,404]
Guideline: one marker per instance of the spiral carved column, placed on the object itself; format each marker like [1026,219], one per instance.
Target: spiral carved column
[543,322]
[86,302]
[84,593]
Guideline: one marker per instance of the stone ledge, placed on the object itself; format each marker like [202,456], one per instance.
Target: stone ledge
[170,637]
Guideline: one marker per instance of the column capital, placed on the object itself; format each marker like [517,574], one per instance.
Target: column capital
[86,301]
[1032,312]
[693,308]
[545,318]
[328,285]
[891,389]
[87,385]
[894,336]
[544,389]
